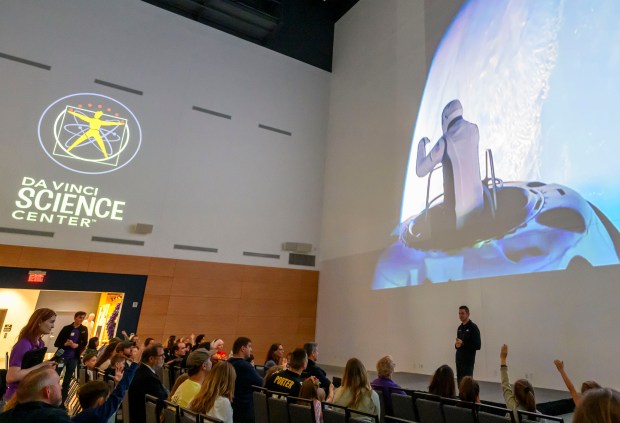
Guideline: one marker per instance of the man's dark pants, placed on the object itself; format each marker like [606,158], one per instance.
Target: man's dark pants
[70,365]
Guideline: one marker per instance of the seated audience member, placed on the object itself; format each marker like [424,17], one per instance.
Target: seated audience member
[145,382]
[124,347]
[523,397]
[199,338]
[178,355]
[189,343]
[198,366]
[169,350]
[89,361]
[243,405]
[97,403]
[469,390]
[312,349]
[289,381]
[148,342]
[92,346]
[442,383]
[598,405]
[311,390]
[585,386]
[178,382]
[37,399]
[355,391]
[216,393]
[117,362]
[275,356]
[218,345]
[271,371]
[103,362]
[385,370]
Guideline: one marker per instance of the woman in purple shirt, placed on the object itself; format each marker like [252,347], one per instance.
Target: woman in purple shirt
[384,382]
[40,323]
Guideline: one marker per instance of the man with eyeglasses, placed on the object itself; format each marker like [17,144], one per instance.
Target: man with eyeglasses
[145,382]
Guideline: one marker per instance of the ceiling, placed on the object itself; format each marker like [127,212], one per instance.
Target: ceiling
[301,29]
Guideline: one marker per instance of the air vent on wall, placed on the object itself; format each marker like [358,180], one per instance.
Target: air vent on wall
[195,248]
[117,241]
[25,61]
[301,259]
[263,255]
[26,232]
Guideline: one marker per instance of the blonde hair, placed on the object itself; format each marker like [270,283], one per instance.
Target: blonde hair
[311,389]
[355,379]
[270,371]
[220,382]
[385,366]
[599,405]
[182,378]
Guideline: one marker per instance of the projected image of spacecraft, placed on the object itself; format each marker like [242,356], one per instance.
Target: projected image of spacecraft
[523,227]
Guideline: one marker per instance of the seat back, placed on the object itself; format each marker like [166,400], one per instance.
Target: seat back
[484,417]
[125,409]
[260,370]
[261,410]
[428,411]
[278,410]
[204,418]
[299,413]
[488,413]
[402,406]
[334,413]
[169,413]
[333,416]
[187,416]
[529,417]
[361,417]
[81,375]
[379,390]
[463,413]
[392,419]
[150,403]
[165,377]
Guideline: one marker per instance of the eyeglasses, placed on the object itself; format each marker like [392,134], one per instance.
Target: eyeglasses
[161,355]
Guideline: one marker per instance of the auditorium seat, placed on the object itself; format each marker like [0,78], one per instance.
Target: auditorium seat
[261,410]
[403,407]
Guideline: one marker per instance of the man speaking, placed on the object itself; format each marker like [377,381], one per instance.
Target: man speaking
[466,344]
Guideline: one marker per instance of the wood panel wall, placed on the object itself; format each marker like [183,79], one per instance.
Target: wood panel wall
[267,304]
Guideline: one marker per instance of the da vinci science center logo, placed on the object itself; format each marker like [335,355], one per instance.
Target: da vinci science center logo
[89,133]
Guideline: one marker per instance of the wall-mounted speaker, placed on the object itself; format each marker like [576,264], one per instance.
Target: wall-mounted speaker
[297,247]
[142,228]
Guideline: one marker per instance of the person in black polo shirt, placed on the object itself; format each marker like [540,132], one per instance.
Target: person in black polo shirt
[467,343]
[289,381]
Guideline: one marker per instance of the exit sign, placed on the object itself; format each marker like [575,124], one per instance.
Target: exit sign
[36,276]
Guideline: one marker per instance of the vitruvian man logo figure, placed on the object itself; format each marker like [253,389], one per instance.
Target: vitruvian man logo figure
[93,131]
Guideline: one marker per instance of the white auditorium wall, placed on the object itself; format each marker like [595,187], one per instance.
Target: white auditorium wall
[200,179]
[382,53]
[19,304]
